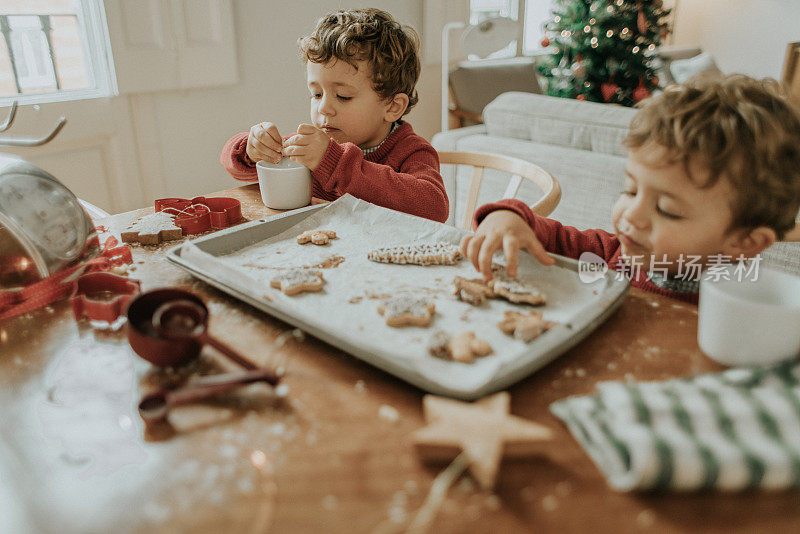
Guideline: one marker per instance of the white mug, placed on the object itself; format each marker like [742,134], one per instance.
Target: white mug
[285,185]
[749,320]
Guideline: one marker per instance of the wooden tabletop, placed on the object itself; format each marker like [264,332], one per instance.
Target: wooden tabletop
[329,456]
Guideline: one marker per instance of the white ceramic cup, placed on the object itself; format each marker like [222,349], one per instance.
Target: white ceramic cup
[285,185]
[745,322]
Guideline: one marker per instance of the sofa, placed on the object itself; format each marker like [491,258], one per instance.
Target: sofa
[579,143]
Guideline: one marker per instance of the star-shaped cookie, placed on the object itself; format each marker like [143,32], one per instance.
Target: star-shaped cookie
[484,430]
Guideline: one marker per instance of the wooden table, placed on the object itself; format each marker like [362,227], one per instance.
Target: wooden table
[76,457]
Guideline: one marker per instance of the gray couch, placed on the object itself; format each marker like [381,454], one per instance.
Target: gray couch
[579,143]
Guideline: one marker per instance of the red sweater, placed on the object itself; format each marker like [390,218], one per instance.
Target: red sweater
[571,242]
[402,174]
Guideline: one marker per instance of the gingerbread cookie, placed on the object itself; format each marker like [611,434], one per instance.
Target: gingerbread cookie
[515,290]
[526,327]
[317,237]
[407,310]
[474,291]
[152,229]
[438,253]
[298,280]
[464,347]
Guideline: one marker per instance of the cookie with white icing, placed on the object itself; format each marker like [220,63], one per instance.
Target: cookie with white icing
[152,229]
[474,291]
[463,347]
[437,253]
[516,290]
[297,281]
[407,310]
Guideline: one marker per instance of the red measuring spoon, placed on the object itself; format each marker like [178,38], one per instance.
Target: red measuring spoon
[187,320]
[156,406]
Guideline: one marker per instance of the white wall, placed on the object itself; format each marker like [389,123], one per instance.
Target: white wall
[746,36]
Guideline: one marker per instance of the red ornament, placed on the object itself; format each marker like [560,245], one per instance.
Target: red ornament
[641,92]
[655,80]
[545,42]
[608,90]
[580,97]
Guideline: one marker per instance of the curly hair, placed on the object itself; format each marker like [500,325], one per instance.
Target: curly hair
[373,36]
[739,128]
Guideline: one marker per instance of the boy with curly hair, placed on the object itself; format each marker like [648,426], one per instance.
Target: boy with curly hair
[713,171]
[361,69]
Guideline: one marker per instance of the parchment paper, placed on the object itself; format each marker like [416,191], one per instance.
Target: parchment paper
[361,227]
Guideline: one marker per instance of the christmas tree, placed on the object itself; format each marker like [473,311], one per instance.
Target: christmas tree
[604,50]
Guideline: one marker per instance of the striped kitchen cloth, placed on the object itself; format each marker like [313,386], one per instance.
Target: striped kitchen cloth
[728,431]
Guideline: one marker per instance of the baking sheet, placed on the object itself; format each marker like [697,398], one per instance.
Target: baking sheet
[242,261]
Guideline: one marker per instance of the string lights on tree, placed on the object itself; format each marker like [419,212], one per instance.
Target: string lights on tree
[604,50]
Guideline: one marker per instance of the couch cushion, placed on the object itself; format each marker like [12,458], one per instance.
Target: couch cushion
[783,256]
[476,83]
[559,121]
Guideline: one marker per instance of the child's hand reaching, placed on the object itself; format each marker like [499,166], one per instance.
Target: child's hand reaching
[264,143]
[307,146]
[507,230]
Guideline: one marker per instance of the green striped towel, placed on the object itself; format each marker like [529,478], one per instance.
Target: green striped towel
[729,431]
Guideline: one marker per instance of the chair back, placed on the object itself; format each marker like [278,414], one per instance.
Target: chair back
[791,73]
[519,170]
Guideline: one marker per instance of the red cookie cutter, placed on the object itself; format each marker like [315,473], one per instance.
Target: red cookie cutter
[102,296]
[200,213]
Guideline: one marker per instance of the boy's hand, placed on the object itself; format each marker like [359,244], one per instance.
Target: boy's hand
[307,146]
[264,143]
[507,230]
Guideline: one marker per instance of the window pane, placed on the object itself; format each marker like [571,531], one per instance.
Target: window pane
[7,86]
[31,55]
[55,46]
[73,72]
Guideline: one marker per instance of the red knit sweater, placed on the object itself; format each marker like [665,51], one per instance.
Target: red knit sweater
[402,174]
[571,242]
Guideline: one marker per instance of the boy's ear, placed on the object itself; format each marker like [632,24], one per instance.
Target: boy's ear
[748,243]
[397,106]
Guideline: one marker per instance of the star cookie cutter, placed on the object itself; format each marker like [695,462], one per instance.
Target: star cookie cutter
[102,296]
[200,213]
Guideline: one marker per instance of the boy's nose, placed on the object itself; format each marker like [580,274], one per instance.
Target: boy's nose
[326,106]
[637,215]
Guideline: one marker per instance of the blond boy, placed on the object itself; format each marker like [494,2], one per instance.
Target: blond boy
[361,69]
[713,172]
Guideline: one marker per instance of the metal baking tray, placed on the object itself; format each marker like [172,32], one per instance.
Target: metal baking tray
[415,366]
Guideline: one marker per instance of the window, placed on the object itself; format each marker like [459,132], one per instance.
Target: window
[54,50]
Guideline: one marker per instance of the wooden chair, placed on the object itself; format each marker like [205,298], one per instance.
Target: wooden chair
[793,236]
[791,84]
[519,170]
[791,73]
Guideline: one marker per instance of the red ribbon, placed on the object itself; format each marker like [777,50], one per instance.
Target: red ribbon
[57,287]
